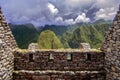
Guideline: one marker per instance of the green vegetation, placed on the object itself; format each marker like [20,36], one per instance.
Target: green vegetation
[48,40]
[24,34]
[58,30]
[93,34]
[87,34]
[53,36]
[65,39]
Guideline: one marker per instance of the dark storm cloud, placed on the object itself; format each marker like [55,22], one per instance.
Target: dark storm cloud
[41,12]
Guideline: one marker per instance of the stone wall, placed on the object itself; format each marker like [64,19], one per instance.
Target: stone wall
[111,47]
[7,44]
[58,75]
[59,64]
[33,46]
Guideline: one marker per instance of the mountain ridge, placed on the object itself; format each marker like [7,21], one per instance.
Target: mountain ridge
[27,33]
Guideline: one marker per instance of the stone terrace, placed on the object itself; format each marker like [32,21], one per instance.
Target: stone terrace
[59,64]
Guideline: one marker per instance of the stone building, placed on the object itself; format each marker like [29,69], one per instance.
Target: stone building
[74,64]
[7,45]
[33,46]
[111,47]
[85,46]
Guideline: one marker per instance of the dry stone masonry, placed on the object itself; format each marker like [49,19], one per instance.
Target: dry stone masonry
[82,64]
[33,46]
[85,46]
[111,47]
[7,44]
[64,65]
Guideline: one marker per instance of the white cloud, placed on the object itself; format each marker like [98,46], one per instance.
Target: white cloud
[59,19]
[79,19]
[82,18]
[52,8]
[105,3]
[106,14]
[69,21]
[79,3]
[48,11]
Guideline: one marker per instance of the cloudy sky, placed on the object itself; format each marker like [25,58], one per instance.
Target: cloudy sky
[59,12]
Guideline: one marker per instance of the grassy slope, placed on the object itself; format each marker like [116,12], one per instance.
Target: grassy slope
[48,40]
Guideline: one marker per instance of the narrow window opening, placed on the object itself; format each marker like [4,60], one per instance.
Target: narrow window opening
[69,57]
[51,57]
[31,58]
[89,57]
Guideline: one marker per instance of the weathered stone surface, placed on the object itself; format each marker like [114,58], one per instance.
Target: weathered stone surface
[40,64]
[73,64]
[85,46]
[58,75]
[111,47]
[33,46]
[7,44]
[41,60]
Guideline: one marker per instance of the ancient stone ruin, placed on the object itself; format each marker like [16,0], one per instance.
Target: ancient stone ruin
[7,45]
[85,46]
[111,48]
[69,64]
[33,46]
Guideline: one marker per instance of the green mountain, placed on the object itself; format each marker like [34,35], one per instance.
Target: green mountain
[102,21]
[48,40]
[70,36]
[65,39]
[57,29]
[93,34]
[24,34]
